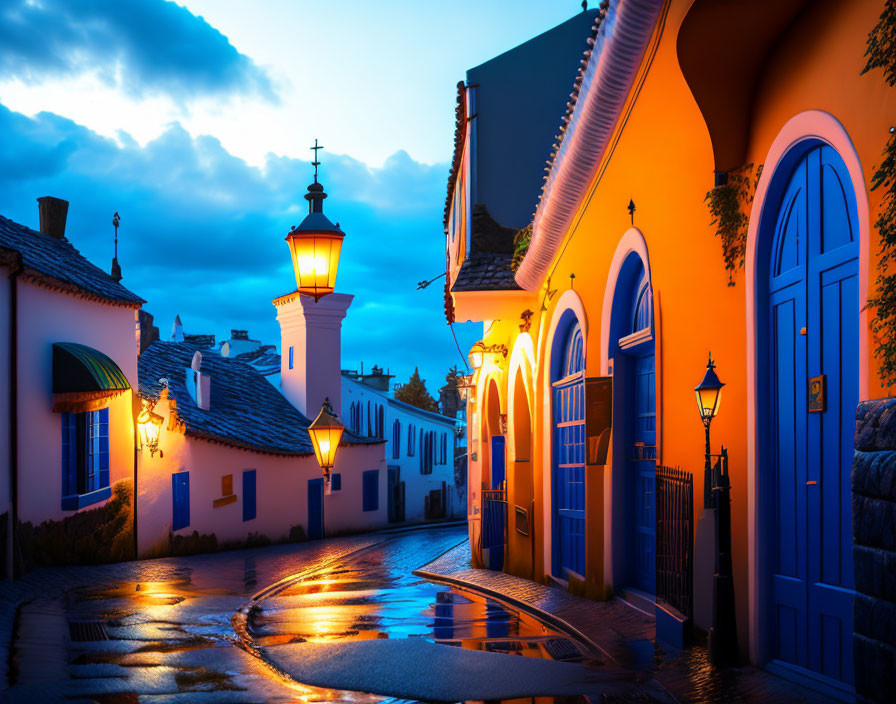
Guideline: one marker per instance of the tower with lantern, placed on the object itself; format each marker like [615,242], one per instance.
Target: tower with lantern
[310,321]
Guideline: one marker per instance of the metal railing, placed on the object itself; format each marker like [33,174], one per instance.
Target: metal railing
[675,538]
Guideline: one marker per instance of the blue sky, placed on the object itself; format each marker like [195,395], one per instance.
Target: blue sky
[193,120]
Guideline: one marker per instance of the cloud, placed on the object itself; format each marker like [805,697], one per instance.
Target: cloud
[202,233]
[140,47]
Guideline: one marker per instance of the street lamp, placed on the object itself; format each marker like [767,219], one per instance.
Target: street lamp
[326,432]
[709,397]
[315,245]
[150,426]
[466,388]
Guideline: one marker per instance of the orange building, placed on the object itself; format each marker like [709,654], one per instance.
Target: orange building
[689,119]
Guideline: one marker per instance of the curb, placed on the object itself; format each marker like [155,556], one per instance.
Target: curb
[540,614]
[421,526]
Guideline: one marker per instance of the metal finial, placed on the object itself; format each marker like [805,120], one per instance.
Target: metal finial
[316,161]
[631,209]
[710,364]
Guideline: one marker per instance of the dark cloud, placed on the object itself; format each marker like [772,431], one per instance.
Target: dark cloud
[138,46]
[202,233]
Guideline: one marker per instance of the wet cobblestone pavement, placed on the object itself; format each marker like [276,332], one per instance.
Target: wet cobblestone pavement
[161,630]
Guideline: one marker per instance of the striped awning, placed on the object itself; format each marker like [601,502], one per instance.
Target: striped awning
[79,369]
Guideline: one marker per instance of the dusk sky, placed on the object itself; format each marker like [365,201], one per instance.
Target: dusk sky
[194,124]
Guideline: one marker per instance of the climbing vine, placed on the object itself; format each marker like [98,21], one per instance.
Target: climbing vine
[881,44]
[729,206]
[521,241]
[881,53]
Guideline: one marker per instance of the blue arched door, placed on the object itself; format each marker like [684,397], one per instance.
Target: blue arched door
[568,471]
[635,371]
[811,391]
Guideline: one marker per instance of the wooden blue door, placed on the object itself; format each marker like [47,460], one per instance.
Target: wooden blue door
[642,473]
[813,328]
[316,508]
[568,524]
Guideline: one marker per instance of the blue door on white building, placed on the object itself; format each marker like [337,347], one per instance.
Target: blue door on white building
[811,385]
[568,471]
[315,508]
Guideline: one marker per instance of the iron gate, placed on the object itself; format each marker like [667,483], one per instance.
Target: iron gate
[675,538]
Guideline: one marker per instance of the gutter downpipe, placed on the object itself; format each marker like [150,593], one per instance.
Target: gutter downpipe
[13,566]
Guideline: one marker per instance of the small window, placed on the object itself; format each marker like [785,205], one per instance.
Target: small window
[85,458]
[411,437]
[291,357]
[371,494]
[396,439]
[335,482]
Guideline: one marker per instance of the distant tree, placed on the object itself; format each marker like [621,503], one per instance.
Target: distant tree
[415,393]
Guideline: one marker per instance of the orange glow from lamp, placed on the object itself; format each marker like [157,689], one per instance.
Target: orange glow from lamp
[466,387]
[326,432]
[149,425]
[477,354]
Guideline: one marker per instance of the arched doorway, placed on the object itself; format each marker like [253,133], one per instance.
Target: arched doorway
[568,450]
[807,365]
[631,348]
[494,482]
[521,488]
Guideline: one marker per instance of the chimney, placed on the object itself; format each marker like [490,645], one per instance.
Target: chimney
[177,330]
[199,384]
[53,212]
[310,344]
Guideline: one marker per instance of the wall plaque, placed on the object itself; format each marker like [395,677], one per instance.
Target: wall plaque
[818,393]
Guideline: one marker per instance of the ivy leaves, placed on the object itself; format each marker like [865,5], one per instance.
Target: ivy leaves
[729,205]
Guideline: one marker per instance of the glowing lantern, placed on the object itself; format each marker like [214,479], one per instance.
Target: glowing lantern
[477,353]
[466,388]
[326,432]
[709,393]
[315,245]
[149,425]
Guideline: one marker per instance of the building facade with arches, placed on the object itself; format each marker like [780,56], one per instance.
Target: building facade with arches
[625,287]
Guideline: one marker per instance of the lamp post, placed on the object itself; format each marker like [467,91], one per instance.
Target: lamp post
[709,397]
[722,640]
[150,426]
[326,432]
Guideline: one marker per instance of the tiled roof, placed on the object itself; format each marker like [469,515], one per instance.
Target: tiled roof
[55,262]
[486,271]
[246,410]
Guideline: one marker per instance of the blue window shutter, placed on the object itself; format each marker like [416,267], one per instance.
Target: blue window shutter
[336,482]
[291,357]
[249,494]
[69,455]
[180,498]
[396,439]
[371,490]
[103,446]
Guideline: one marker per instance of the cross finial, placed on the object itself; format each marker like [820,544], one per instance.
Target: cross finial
[316,161]
[710,364]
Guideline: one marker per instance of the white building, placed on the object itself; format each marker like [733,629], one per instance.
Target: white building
[419,449]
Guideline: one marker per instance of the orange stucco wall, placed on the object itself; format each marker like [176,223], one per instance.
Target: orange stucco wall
[662,159]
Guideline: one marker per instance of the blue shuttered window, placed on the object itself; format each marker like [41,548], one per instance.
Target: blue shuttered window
[249,494]
[180,500]
[291,357]
[335,482]
[85,458]
[411,436]
[371,489]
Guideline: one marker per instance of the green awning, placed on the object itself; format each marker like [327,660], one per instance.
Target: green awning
[79,369]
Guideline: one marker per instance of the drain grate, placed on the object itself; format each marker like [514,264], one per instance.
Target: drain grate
[84,631]
[562,649]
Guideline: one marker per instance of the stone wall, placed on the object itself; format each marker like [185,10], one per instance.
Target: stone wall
[874,551]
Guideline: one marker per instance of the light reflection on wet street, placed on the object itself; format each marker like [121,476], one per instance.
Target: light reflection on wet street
[169,637]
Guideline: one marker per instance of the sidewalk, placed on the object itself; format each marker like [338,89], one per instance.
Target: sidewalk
[623,634]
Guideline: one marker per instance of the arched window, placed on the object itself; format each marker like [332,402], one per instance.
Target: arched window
[643,311]
[380,422]
[411,437]
[396,439]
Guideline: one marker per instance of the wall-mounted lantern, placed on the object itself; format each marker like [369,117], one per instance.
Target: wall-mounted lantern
[466,387]
[480,349]
[149,426]
[326,432]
